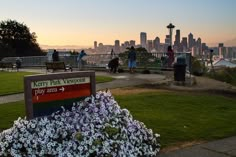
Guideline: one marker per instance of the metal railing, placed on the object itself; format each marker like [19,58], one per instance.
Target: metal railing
[144,60]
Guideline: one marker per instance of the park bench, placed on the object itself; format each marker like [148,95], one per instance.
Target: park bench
[8,65]
[57,66]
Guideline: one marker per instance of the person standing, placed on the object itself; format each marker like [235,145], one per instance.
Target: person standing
[80,60]
[170,54]
[18,63]
[55,56]
[112,54]
[132,59]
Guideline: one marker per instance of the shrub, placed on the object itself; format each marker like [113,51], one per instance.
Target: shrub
[225,75]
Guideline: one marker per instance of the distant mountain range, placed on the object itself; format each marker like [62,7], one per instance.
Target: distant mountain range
[66,47]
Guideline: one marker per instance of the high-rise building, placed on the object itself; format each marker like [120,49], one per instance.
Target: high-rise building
[222,50]
[190,41]
[100,45]
[177,38]
[126,44]
[204,47]
[117,46]
[156,43]
[143,39]
[199,45]
[132,42]
[221,45]
[184,43]
[167,40]
[95,45]
[230,53]
[194,51]
[150,45]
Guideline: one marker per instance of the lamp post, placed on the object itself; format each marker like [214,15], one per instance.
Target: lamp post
[211,61]
[170,27]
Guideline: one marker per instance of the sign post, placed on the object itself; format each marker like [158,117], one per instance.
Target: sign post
[45,94]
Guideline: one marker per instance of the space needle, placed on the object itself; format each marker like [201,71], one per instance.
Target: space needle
[170,27]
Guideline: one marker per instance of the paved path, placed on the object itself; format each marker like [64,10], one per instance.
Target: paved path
[11,98]
[220,148]
[121,80]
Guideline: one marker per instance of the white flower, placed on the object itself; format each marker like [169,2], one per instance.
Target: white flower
[85,122]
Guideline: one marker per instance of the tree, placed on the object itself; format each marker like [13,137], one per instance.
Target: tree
[198,67]
[143,58]
[16,40]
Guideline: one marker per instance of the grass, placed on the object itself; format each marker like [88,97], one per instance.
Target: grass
[12,82]
[177,117]
[102,79]
[182,117]
[10,112]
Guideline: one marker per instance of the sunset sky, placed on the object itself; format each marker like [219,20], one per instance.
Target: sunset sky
[81,22]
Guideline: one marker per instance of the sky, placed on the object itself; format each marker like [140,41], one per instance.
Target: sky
[81,22]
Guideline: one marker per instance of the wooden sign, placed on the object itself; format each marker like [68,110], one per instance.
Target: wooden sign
[45,94]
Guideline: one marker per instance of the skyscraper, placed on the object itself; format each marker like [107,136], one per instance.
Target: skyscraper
[167,40]
[143,39]
[199,45]
[222,50]
[126,44]
[184,43]
[156,43]
[117,46]
[132,42]
[150,45]
[190,41]
[177,38]
[95,45]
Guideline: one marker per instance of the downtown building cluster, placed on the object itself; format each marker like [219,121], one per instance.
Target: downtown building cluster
[180,45]
[185,44]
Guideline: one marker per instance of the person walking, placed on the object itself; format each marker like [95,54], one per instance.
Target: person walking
[80,60]
[132,59]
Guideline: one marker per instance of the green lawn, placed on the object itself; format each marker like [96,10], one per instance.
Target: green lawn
[10,112]
[12,82]
[102,79]
[177,117]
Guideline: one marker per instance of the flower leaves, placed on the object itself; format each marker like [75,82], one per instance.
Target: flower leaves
[96,126]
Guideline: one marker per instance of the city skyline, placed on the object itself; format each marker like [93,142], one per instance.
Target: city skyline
[80,23]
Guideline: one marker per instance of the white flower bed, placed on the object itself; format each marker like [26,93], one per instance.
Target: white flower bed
[95,127]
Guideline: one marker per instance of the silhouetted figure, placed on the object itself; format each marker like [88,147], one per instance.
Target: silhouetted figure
[113,64]
[80,60]
[55,56]
[132,59]
[18,63]
[112,54]
[170,54]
